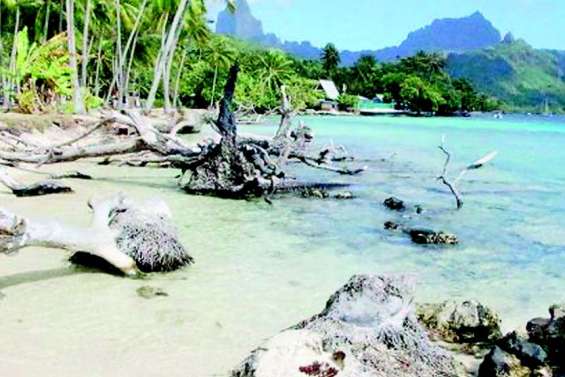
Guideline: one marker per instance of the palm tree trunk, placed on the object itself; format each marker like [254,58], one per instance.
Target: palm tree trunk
[61,15]
[46,22]
[12,80]
[130,62]
[2,81]
[177,80]
[119,57]
[214,85]
[98,64]
[169,48]
[85,49]
[130,49]
[168,68]
[78,104]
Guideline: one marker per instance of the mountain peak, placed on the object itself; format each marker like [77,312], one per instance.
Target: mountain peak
[442,35]
[477,14]
[240,23]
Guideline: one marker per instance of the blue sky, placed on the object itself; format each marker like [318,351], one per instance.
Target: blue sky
[372,24]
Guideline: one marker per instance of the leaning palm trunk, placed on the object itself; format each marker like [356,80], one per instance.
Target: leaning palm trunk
[125,55]
[9,82]
[119,56]
[46,22]
[214,85]
[78,105]
[97,73]
[177,80]
[2,80]
[85,42]
[166,50]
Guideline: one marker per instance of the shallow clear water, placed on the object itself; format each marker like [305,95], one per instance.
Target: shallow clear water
[262,268]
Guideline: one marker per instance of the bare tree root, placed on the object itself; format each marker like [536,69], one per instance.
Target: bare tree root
[233,167]
[128,236]
[17,233]
[452,184]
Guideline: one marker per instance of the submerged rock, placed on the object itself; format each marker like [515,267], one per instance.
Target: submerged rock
[464,322]
[431,237]
[343,195]
[394,204]
[391,225]
[367,329]
[316,193]
[148,292]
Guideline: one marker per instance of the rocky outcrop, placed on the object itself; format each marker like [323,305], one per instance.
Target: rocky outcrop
[549,333]
[540,354]
[368,328]
[500,363]
[460,322]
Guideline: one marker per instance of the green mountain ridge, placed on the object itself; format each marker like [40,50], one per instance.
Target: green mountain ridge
[524,78]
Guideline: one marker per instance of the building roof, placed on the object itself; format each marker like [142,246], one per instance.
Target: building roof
[330,89]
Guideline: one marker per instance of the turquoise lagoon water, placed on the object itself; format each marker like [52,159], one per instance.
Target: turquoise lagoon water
[262,268]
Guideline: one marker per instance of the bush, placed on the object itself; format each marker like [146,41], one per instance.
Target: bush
[347,102]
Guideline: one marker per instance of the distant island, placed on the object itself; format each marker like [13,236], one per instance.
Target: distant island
[524,78]
[444,35]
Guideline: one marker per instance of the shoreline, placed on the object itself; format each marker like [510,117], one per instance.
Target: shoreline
[224,297]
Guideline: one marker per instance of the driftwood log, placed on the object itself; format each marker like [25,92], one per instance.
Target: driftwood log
[452,184]
[35,189]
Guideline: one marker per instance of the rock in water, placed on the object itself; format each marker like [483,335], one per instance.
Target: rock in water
[465,322]
[368,329]
[391,225]
[394,204]
[343,195]
[315,192]
[430,237]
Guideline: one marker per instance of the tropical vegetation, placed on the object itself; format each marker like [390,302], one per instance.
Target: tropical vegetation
[526,79]
[80,54]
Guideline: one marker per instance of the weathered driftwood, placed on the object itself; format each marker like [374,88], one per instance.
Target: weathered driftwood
[35,189]
[129,236]
[452,184]
[99,239]
[233,166]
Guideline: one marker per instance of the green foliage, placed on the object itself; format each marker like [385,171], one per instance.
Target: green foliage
[348,102]
[418,95]
[330,60]
[41,71]
[523,77]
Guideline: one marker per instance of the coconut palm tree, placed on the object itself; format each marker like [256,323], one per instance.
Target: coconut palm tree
[220,55]
[275,68]
[330,59]
[78,104]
